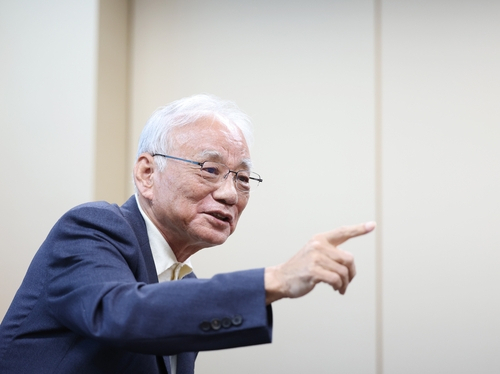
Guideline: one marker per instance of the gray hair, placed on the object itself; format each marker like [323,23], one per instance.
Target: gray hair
[155,135]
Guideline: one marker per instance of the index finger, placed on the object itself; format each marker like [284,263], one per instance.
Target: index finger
[341,234]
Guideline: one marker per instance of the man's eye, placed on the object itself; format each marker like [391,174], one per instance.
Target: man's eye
[211,170]
[242,178]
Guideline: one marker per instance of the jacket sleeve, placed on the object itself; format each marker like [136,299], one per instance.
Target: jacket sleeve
[94,289]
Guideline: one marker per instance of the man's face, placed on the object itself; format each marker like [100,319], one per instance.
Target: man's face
[190,212]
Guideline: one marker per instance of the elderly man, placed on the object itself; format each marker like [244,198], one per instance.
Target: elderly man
[99,296]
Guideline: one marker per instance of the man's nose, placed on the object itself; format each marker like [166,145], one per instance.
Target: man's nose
[227,191]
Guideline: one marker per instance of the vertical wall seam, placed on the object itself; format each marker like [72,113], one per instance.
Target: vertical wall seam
[379,346]
[128,123]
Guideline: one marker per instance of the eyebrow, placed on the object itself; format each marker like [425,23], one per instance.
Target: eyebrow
[215,156]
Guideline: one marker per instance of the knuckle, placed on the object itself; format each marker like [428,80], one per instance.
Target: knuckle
[343,272]
[317,260]
[317,239]
[314,244]
[348,258]
[335,281]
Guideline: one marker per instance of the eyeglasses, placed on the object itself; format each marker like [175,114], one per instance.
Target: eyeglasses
[214,172]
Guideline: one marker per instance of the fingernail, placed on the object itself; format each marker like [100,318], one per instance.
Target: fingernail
[369,226]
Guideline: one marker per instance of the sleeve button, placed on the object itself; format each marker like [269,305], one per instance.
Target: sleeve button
[226,322]
[216,324]
[205,326]
[237,320]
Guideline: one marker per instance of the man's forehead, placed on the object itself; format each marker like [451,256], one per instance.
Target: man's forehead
[210,140]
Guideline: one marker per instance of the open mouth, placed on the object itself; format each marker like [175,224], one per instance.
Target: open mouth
[220,216]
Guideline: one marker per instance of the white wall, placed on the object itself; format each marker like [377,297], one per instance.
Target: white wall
[47,100]
[441,183]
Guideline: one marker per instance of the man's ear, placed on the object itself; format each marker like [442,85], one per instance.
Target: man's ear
[144,170]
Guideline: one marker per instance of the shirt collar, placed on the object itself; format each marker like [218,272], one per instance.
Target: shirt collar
[167,266]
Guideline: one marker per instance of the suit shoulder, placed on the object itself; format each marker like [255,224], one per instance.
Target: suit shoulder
[95,206]
[100,216]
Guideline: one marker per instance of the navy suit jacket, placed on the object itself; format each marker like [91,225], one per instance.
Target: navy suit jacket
[91,303]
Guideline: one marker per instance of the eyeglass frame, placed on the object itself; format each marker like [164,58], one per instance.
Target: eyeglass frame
[200,164]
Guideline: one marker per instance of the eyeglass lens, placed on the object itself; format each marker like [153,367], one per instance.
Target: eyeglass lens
[244,180]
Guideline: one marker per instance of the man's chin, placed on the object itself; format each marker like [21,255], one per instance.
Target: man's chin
[210,234]
[213,237]
[218,240]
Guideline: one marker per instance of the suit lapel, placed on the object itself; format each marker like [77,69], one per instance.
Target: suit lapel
[133,216]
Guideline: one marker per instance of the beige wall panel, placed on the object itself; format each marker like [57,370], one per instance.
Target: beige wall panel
[304,73]
[113,178]
[47,84]
[441,181]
